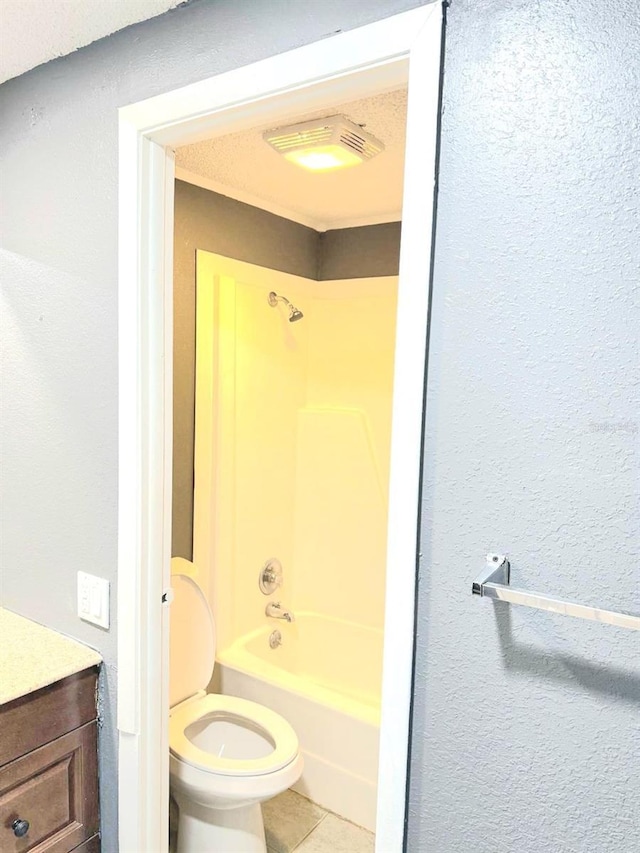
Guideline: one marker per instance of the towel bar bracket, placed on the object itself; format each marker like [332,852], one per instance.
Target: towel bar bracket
[498,570]
[495,582]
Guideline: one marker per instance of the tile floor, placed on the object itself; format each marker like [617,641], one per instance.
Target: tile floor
[292,822]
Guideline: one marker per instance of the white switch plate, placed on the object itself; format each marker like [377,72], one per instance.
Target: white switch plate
[93,599]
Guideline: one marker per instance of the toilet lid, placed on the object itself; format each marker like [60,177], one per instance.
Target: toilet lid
[192,643]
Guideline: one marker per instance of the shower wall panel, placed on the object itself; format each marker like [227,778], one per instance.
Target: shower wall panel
[250,384]
[342,469]
[292,442]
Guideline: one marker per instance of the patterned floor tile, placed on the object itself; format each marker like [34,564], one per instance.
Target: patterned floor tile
[335,835]
[288,819]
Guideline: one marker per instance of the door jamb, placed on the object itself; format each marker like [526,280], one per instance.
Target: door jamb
[360,62]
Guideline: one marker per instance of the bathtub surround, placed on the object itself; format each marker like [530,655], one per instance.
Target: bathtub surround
[213,222]
[292,442]
[292,461]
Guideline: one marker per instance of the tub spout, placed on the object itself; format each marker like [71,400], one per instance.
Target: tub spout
[275,610]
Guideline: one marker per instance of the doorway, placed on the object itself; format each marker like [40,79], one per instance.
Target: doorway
[361,63]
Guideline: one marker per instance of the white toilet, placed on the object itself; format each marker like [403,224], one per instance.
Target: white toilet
[226,754]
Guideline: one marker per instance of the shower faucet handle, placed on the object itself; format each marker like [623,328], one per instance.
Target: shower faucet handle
[270,577]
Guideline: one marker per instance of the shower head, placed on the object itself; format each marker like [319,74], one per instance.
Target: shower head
[294,313]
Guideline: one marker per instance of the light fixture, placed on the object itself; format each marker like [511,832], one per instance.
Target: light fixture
[323,144]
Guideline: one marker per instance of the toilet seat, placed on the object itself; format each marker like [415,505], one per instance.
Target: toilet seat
[246,715]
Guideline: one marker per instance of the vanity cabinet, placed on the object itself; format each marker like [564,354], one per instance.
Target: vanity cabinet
[49,769]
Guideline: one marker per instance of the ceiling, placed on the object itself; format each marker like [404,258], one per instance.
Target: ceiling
[243,166]
[34,31]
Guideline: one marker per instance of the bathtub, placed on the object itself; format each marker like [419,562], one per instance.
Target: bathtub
[325,680]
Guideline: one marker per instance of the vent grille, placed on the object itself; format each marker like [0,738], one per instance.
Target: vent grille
[332,130]
[366,146]
[301,138]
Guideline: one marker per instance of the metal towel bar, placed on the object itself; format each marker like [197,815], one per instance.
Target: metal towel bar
[494,582]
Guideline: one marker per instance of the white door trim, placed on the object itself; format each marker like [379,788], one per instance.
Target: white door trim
[361,62]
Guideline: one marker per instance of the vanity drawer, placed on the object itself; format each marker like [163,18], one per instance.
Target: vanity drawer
[35,719]
[54,788]
[90,846]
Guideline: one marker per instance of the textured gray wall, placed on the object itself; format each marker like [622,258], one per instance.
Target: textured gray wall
[58,143]
[215,223]
[526,733]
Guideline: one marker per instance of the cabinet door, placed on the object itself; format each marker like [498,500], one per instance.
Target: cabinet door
[54,789]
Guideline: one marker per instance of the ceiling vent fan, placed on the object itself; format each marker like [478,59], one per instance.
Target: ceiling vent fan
[323,144]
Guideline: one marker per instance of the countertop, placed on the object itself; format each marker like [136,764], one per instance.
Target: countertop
[32,656]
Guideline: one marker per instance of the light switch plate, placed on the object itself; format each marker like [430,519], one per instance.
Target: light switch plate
[93,599]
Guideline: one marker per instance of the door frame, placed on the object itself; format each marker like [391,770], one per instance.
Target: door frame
[361,62]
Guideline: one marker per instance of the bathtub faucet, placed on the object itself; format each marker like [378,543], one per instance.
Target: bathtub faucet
[274,609]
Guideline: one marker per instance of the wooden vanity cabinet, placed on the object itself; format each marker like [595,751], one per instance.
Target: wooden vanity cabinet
[49,769]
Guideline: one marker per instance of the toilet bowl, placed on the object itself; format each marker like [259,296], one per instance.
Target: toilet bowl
[226,754]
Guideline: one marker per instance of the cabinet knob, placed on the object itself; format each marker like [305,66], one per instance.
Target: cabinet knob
[20,827]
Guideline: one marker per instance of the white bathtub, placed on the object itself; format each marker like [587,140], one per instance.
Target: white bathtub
[325,680]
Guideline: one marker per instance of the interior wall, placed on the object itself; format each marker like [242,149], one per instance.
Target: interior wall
[215,223]
[365,251]
[525,726]
[59,222]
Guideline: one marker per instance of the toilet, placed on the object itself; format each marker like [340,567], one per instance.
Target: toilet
[226,755]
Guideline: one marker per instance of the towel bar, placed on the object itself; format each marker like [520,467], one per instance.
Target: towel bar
[494,582]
